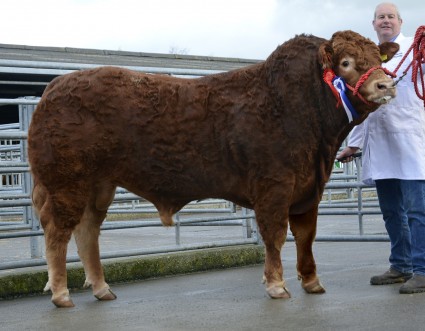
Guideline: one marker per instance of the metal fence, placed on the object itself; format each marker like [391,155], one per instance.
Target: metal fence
[344,195]
[18,219]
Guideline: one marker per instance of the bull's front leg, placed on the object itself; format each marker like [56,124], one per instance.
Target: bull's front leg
[273,231]
[303,227]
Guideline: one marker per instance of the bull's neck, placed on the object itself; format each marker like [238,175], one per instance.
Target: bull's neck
[336,125]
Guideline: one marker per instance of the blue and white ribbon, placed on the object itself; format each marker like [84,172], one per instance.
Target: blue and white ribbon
[339,84]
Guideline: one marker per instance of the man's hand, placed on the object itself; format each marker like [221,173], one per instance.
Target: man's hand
[347,154]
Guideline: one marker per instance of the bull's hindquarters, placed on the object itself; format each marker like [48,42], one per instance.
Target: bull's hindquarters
[79,211]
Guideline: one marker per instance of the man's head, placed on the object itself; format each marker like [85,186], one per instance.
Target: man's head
[387,21]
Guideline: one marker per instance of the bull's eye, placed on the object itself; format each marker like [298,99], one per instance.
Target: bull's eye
[345,64]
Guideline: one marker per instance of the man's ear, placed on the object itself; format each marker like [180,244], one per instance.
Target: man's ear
[388,49]
[325,55]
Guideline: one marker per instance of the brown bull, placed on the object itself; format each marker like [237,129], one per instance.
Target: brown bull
[264,137]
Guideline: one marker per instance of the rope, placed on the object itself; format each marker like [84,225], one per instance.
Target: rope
[364,77]
[418,58]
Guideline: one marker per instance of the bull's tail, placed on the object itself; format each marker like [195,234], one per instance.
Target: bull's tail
[38,196]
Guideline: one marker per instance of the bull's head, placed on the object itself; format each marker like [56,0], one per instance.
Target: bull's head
[358,61]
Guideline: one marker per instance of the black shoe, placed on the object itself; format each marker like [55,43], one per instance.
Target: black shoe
[390,277]
[416,284]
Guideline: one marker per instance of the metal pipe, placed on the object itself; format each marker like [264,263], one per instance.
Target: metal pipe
[136,252]
[14,135]
[16,203]
[349,238]
[60,68]
[19,101]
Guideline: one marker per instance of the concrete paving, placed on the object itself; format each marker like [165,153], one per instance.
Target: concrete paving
[235,299]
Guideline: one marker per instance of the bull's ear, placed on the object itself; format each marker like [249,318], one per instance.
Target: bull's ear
[388,49]
[325,55]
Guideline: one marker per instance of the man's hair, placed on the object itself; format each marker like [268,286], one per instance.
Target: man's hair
[391,4]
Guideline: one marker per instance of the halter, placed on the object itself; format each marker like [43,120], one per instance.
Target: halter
[338,87]
[363,78]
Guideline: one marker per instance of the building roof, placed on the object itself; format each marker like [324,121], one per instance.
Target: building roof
[28,69]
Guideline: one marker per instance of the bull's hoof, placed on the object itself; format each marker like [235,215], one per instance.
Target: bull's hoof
[314,287]
[63,301]
[47,288]
[278,292]
[105,294]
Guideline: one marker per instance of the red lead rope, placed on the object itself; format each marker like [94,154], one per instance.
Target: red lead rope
[418,47]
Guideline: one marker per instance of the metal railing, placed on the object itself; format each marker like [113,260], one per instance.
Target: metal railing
[16,204]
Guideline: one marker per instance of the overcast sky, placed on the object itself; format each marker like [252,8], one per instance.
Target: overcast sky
[228,28]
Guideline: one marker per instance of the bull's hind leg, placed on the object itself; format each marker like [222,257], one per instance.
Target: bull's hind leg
[303,227]
[87,238]
[273,229]
[57,240]
[58,215]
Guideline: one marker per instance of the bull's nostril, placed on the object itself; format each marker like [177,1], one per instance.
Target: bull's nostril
[382,87]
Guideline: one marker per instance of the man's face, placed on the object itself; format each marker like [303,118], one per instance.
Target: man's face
[387,24]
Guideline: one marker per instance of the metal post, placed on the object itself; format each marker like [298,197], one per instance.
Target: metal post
[29,215]
[251,229]
[232,207]
[246,225]
[177,229]
[359,198]
[360,210]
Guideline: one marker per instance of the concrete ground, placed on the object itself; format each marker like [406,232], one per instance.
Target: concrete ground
[235,299]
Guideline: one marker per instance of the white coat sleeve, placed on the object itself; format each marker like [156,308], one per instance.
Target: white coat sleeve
[356,137]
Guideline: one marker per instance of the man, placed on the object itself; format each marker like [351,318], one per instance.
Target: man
[393,140]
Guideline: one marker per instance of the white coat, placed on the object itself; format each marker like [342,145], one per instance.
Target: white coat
[393,137]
